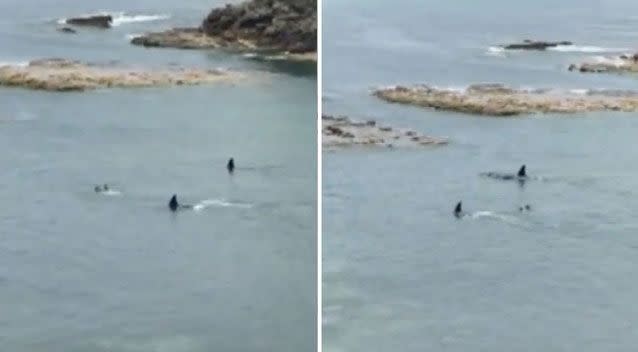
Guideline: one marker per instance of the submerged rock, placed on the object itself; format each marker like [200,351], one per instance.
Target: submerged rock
[101,21]
[534,45]
[282,26]
[340,131]
[617,64]
[56,74]
[67,30]
[500,100]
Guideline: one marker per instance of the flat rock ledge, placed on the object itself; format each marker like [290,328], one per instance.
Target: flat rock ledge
[617,64]
[500,100]
[56,74]
[197,39]
[340,131]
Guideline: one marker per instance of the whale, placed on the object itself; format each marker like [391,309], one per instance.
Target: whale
[230,166]
[458,210]
[521,175]
[174,205]
[101,189]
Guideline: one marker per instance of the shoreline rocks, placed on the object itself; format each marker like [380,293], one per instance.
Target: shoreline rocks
[534,45]
[500,100]
[618,64]
[54,74]
[340,131]
[282,26]
[99,21]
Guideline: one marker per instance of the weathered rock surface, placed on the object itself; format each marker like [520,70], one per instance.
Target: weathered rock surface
[283,26]
[618,64]
[100,21]
[286,25]
[180,38]
[340,131]
[68,75]
[500,100]
[534,45]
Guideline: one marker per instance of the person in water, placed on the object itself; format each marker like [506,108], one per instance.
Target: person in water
[230,166]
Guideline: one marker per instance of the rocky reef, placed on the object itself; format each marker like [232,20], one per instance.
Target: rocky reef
[528,44]
[618,64]
[500,100]
[99,21]
[56,74]
[284,26]
[340,131]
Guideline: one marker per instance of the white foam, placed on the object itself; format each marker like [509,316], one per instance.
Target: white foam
[250,55]
[132,36]
[495,51]
[609,60]
[218,203]
[579,91]
[495,216]
[14,63]
[123,18]
[586,49]
[120,18]
[111,192]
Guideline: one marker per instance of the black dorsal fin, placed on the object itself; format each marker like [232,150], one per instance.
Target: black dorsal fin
[522,172]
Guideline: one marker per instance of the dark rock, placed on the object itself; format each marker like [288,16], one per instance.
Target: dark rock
[535,45]
[288,25]
[101,21]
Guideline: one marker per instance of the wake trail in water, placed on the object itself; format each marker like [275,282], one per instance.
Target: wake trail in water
[219,203]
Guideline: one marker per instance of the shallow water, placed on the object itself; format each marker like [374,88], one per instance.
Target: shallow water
[399,269]
[81,271]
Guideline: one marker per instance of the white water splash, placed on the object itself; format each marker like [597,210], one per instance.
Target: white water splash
[586,49]
[219,203]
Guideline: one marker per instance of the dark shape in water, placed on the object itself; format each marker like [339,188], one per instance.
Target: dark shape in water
[231,165]
[521,172]
[535,45]
[97,189]
[101,21]
[458,210]
[67,30]
[172,204]
[521,175]
[527,207]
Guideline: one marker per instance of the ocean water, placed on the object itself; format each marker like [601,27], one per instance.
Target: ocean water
[399,271]
[119,272]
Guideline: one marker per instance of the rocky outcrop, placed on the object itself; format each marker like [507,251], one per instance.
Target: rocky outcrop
[282,26]
[275,24]
[618,64]
[340,131]
[68,75]
[180,38]
[500,100]
[100,21]
[534,45]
